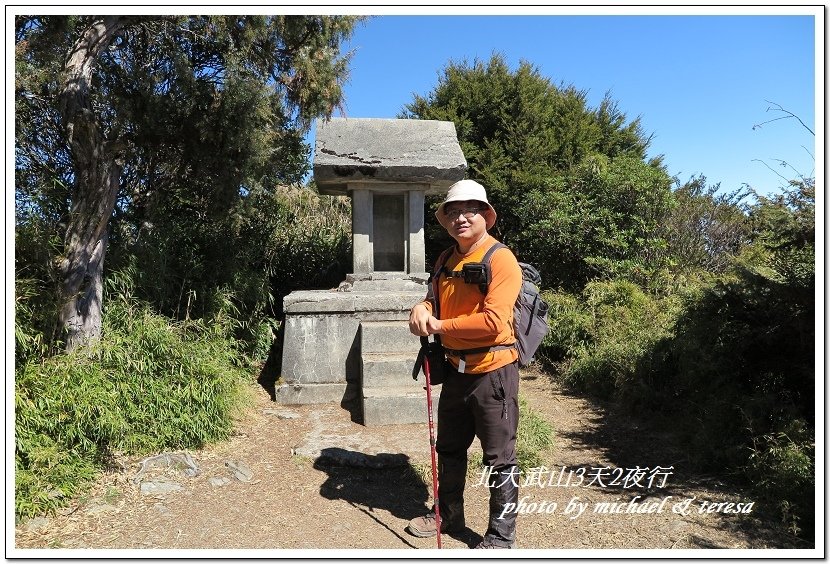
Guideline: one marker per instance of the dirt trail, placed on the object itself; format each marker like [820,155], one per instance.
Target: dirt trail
[295,502]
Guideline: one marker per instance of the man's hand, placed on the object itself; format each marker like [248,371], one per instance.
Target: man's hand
[418,319]
[422,323]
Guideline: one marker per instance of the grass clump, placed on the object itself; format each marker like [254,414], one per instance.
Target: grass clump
[148,385]
[534,438]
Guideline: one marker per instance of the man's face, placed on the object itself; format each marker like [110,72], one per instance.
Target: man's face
[465,221]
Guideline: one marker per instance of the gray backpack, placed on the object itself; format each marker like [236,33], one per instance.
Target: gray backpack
[530,312]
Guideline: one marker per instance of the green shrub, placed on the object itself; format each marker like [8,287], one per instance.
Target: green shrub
[728,359]
[606,335]
[309,246]
[268,244]
[742,371]
[570,327]
[29,339]
[35,288]
[148,385]
[782,469]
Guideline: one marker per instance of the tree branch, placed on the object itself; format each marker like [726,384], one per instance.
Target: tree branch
[788,116]
[772,169]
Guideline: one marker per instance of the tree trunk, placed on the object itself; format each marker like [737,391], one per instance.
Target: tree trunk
[96,184]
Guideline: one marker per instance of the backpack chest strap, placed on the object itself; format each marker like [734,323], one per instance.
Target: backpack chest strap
[451,273]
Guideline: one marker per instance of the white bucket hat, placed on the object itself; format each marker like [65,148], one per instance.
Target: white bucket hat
[462,191]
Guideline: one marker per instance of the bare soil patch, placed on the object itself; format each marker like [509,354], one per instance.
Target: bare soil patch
[298,502]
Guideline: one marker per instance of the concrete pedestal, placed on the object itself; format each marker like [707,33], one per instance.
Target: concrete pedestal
[325,349]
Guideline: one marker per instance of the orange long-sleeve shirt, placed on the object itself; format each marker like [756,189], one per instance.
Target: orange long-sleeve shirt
[474,320]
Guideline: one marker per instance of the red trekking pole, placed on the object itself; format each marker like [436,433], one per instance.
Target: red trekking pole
[425,345]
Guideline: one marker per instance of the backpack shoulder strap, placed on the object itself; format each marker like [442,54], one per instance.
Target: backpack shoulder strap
[486,260]
[442,259]
[496,246]
[432,281]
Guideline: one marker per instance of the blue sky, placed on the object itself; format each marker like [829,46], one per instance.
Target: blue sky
[699,83]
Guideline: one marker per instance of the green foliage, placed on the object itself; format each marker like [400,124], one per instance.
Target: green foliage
[199,112]
[783,470]
[147,386]
[748,342]
[785,225]
[604,337]
[727,358]
[270,244]
[706,229]
[36,305]
[29,323]
[570,328]
[206,103]
[601,221]
[572,190]
[311,249]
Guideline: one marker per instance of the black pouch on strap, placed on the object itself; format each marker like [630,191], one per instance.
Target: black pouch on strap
[434,353]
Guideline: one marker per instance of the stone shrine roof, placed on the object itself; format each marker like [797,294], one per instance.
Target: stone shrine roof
[386,151]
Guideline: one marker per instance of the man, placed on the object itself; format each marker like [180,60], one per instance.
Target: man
[479,397]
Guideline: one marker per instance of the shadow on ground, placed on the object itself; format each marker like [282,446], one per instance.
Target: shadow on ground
[366,488]
[630,440]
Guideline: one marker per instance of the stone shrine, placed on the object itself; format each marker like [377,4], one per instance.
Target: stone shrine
[352,345]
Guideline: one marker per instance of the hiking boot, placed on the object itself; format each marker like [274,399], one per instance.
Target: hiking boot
[504,498]
[425,526]
[490,543]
